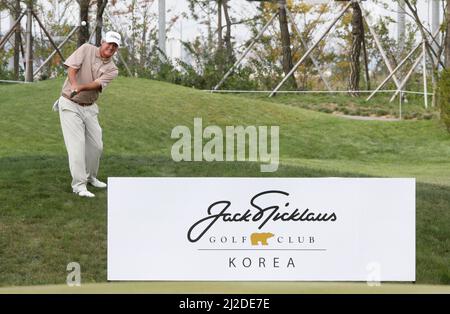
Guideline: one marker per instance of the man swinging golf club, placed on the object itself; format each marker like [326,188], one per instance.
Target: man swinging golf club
[90,70]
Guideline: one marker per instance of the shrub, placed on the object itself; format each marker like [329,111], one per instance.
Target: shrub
[381,112]
[325,110]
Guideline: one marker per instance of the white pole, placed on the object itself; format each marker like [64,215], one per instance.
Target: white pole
[435,21]
[162,28]
[424,66]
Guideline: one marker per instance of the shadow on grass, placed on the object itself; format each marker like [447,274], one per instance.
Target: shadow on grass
[44,226]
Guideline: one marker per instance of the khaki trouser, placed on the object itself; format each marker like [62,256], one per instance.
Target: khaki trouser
[83,138]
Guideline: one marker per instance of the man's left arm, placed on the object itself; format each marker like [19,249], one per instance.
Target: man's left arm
[94,85]
[106,78]
[100,83]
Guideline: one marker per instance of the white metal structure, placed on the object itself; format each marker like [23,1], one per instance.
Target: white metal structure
[367,19]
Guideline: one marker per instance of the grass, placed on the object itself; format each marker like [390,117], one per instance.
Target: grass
[43,226]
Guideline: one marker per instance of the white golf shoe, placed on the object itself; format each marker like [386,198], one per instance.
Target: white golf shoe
[97,183]
[84,193]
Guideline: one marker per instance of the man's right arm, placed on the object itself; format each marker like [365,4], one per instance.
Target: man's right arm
[73,64]
[72,75]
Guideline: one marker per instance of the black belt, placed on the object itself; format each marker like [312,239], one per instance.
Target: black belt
[79,103]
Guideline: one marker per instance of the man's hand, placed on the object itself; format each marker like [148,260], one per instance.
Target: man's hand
[77,88]
[74,92]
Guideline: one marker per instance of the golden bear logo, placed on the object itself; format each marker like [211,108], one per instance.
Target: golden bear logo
[260,238]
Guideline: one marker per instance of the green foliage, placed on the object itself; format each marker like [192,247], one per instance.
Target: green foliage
[5,74]
[207,69]
[444,98]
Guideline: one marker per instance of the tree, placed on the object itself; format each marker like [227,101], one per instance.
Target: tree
[219,52]
[17,11]
[357,40]
[444,82]
[83,32]
[286,43]
[202,10]
[101,5]
[227,38]
[140,54]
[13,6]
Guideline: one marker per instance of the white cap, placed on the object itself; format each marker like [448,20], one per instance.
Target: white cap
[113,37]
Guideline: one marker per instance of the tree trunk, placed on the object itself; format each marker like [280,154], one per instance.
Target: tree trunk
[228,45]
[17,42]
[286,43]
[447,36]
[366,60]
[219,54]
[219,26]
[401,22]
[101,5]
[143,52]
[357,40]
[83,31]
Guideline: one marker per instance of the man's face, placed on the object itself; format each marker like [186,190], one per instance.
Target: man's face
[107,50]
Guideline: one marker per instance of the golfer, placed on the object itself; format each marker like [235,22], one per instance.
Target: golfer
[90,70]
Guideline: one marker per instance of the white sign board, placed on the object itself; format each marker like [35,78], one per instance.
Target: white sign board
[314,229]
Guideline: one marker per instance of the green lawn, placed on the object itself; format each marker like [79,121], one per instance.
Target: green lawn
[43,226]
